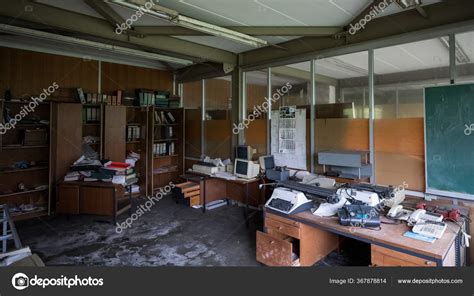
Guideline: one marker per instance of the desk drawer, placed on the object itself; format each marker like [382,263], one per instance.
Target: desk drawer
[273,251]
[293,231]
[282,219]
[386,257]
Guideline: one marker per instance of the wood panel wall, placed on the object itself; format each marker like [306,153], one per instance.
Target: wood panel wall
[128,78]
[27,73]
[399,152]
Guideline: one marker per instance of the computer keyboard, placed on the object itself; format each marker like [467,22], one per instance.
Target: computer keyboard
[281,204]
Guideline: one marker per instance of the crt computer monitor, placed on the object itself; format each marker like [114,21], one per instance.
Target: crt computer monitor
[267,162]
[246,169]
[244,152]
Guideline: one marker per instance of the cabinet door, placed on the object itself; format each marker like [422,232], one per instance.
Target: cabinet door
[68,200]
[67,140]
[114,132]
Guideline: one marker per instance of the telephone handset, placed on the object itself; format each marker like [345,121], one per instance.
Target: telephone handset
[422,215]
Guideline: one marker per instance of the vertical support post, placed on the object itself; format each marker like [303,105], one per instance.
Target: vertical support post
[397,102]
[174,84]
[452,58]
[203,117]
[242,103]
[269,113]
[99,78]
[180,94]
[312,123]
[371,114]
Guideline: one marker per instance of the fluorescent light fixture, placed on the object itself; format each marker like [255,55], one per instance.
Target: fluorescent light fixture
[76,41]
[191,23]
[408,3]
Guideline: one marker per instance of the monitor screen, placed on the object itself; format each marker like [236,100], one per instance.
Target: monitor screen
[241,167]
[242,152]
[269,162]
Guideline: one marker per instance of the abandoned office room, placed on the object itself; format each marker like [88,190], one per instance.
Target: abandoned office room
[236,133]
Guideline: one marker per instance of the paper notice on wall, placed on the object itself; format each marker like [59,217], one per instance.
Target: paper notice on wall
[288,137]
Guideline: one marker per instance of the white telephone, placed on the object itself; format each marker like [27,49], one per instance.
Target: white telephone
[399,213]
[422,215]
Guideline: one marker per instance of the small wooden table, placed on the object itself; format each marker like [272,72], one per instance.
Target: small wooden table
[389,246]
[94,198]
[215,188]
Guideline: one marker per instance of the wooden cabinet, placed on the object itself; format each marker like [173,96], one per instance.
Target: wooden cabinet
[289,243]
[68,200]
[94,198]
[114,132]
[385,257]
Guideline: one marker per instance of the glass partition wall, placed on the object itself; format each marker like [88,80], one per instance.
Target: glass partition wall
[401,74]
[218,121]
[255,122]
[342,106]
[291,86]
[192,104]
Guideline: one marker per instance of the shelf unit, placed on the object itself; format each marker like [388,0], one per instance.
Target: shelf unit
[169,158]
[13,150]
[94,128]
[138,116]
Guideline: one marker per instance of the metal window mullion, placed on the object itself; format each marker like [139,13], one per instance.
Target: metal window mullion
[203,117]
[452,59]
[242,103]
[371,114]
[269,113]
[312,123]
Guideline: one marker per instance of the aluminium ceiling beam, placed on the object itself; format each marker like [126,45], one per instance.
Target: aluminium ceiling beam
[256,31]
[95,27]
[403,27]
[105,11]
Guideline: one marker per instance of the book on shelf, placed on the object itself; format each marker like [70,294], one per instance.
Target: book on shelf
[82,98]
[133,132]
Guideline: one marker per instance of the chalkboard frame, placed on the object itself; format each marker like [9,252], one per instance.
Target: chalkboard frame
[430,190]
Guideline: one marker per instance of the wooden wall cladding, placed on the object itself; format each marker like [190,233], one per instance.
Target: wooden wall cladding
[218,136]
[128,78]
[255,95]
[342,134]
[399,152]
[193,133]
[192,92]
[255,136]
[27,73]
[218,94]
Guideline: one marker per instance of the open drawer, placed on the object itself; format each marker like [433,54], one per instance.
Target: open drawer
[273,251]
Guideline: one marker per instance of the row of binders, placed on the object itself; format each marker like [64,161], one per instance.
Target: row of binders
[163,149]
[94,98]
[91,114]
[164,117]
[133,133]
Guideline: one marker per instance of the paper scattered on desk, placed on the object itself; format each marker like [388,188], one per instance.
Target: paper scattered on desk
[411,234]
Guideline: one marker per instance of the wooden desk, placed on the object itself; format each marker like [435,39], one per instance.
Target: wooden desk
[389,246]
[95,198]
[215,188]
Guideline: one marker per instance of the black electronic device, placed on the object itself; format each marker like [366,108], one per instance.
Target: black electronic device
[359,216]
[311,191]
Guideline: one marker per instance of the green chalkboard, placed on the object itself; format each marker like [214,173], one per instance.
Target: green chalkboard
[449,132]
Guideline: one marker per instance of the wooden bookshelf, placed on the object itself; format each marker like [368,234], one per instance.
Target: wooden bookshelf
[21,144]
[92,125]
[166,164]
[138,117]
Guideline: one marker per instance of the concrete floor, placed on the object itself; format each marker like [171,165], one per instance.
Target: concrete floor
[168,235]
